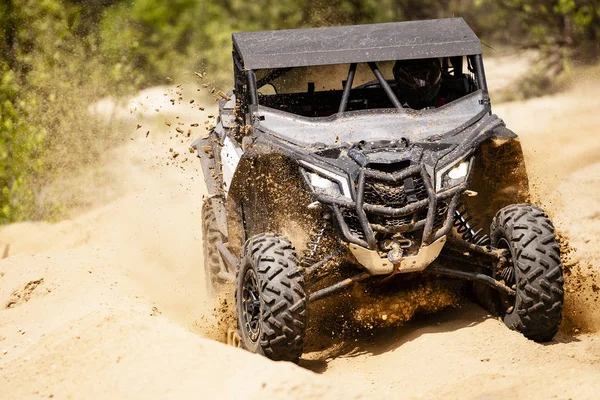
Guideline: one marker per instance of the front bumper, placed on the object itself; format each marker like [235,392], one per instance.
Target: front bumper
[376,264]
[426,212]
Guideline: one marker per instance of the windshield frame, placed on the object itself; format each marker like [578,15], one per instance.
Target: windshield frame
[474,62]
[375,124]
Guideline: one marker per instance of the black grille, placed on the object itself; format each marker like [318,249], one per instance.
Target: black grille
[353,223]
[391,222]
[420,191]
[395,224]
[398,221]
[381,193]
[395,195]
[380,190]
[440,215]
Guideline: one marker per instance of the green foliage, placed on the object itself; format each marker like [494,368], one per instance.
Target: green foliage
[174,38]
[49,76]
[20,143]
[58,56]
[177,37]
[558,22]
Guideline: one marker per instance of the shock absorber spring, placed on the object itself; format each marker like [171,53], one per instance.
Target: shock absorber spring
[309,256]
[467,227]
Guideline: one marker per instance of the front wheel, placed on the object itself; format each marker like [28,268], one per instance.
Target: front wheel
[270,299]
[534,271]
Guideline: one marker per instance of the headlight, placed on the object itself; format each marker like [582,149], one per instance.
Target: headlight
[323,185]
[452,175]
[326,182]
[459,172]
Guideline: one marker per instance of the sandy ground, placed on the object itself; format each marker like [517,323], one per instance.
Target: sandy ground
[110,303]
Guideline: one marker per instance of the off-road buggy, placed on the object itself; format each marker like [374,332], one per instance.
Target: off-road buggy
[320,176]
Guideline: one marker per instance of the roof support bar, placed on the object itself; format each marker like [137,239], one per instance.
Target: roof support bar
[252,91]
[480,72]
[385,85]
[347,88]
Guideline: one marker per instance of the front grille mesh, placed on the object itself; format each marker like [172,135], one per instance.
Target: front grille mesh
[395,195]
[440,215]
[398,221]
[420,189]
[353,223]
[384,194]
[390,194]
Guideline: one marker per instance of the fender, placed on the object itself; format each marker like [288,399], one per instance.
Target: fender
[499,176]
[269,195]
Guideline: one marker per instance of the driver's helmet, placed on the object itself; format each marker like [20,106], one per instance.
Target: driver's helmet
[418,81]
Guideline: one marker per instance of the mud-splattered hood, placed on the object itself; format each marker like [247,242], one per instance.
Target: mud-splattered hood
[370,125]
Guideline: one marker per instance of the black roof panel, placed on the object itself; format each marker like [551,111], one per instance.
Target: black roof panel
[356,43]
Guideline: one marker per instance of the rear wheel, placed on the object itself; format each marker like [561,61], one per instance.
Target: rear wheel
[270,299]
[534,271]
[211,236]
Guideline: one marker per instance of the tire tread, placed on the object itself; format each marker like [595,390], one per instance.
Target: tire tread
[539,301]
[283,296]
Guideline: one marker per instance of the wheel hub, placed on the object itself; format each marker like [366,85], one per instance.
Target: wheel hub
[251,305]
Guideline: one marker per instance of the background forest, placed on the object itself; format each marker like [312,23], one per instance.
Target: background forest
[59,56]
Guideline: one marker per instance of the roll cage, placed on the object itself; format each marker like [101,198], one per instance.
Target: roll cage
[281,51]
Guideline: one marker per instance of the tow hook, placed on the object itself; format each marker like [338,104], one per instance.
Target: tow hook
[397,250]
[395,255]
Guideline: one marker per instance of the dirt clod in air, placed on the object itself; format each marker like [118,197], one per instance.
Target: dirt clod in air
[223,312]
[582,289]
[223,96]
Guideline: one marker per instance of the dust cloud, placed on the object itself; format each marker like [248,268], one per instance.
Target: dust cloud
[111,302]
